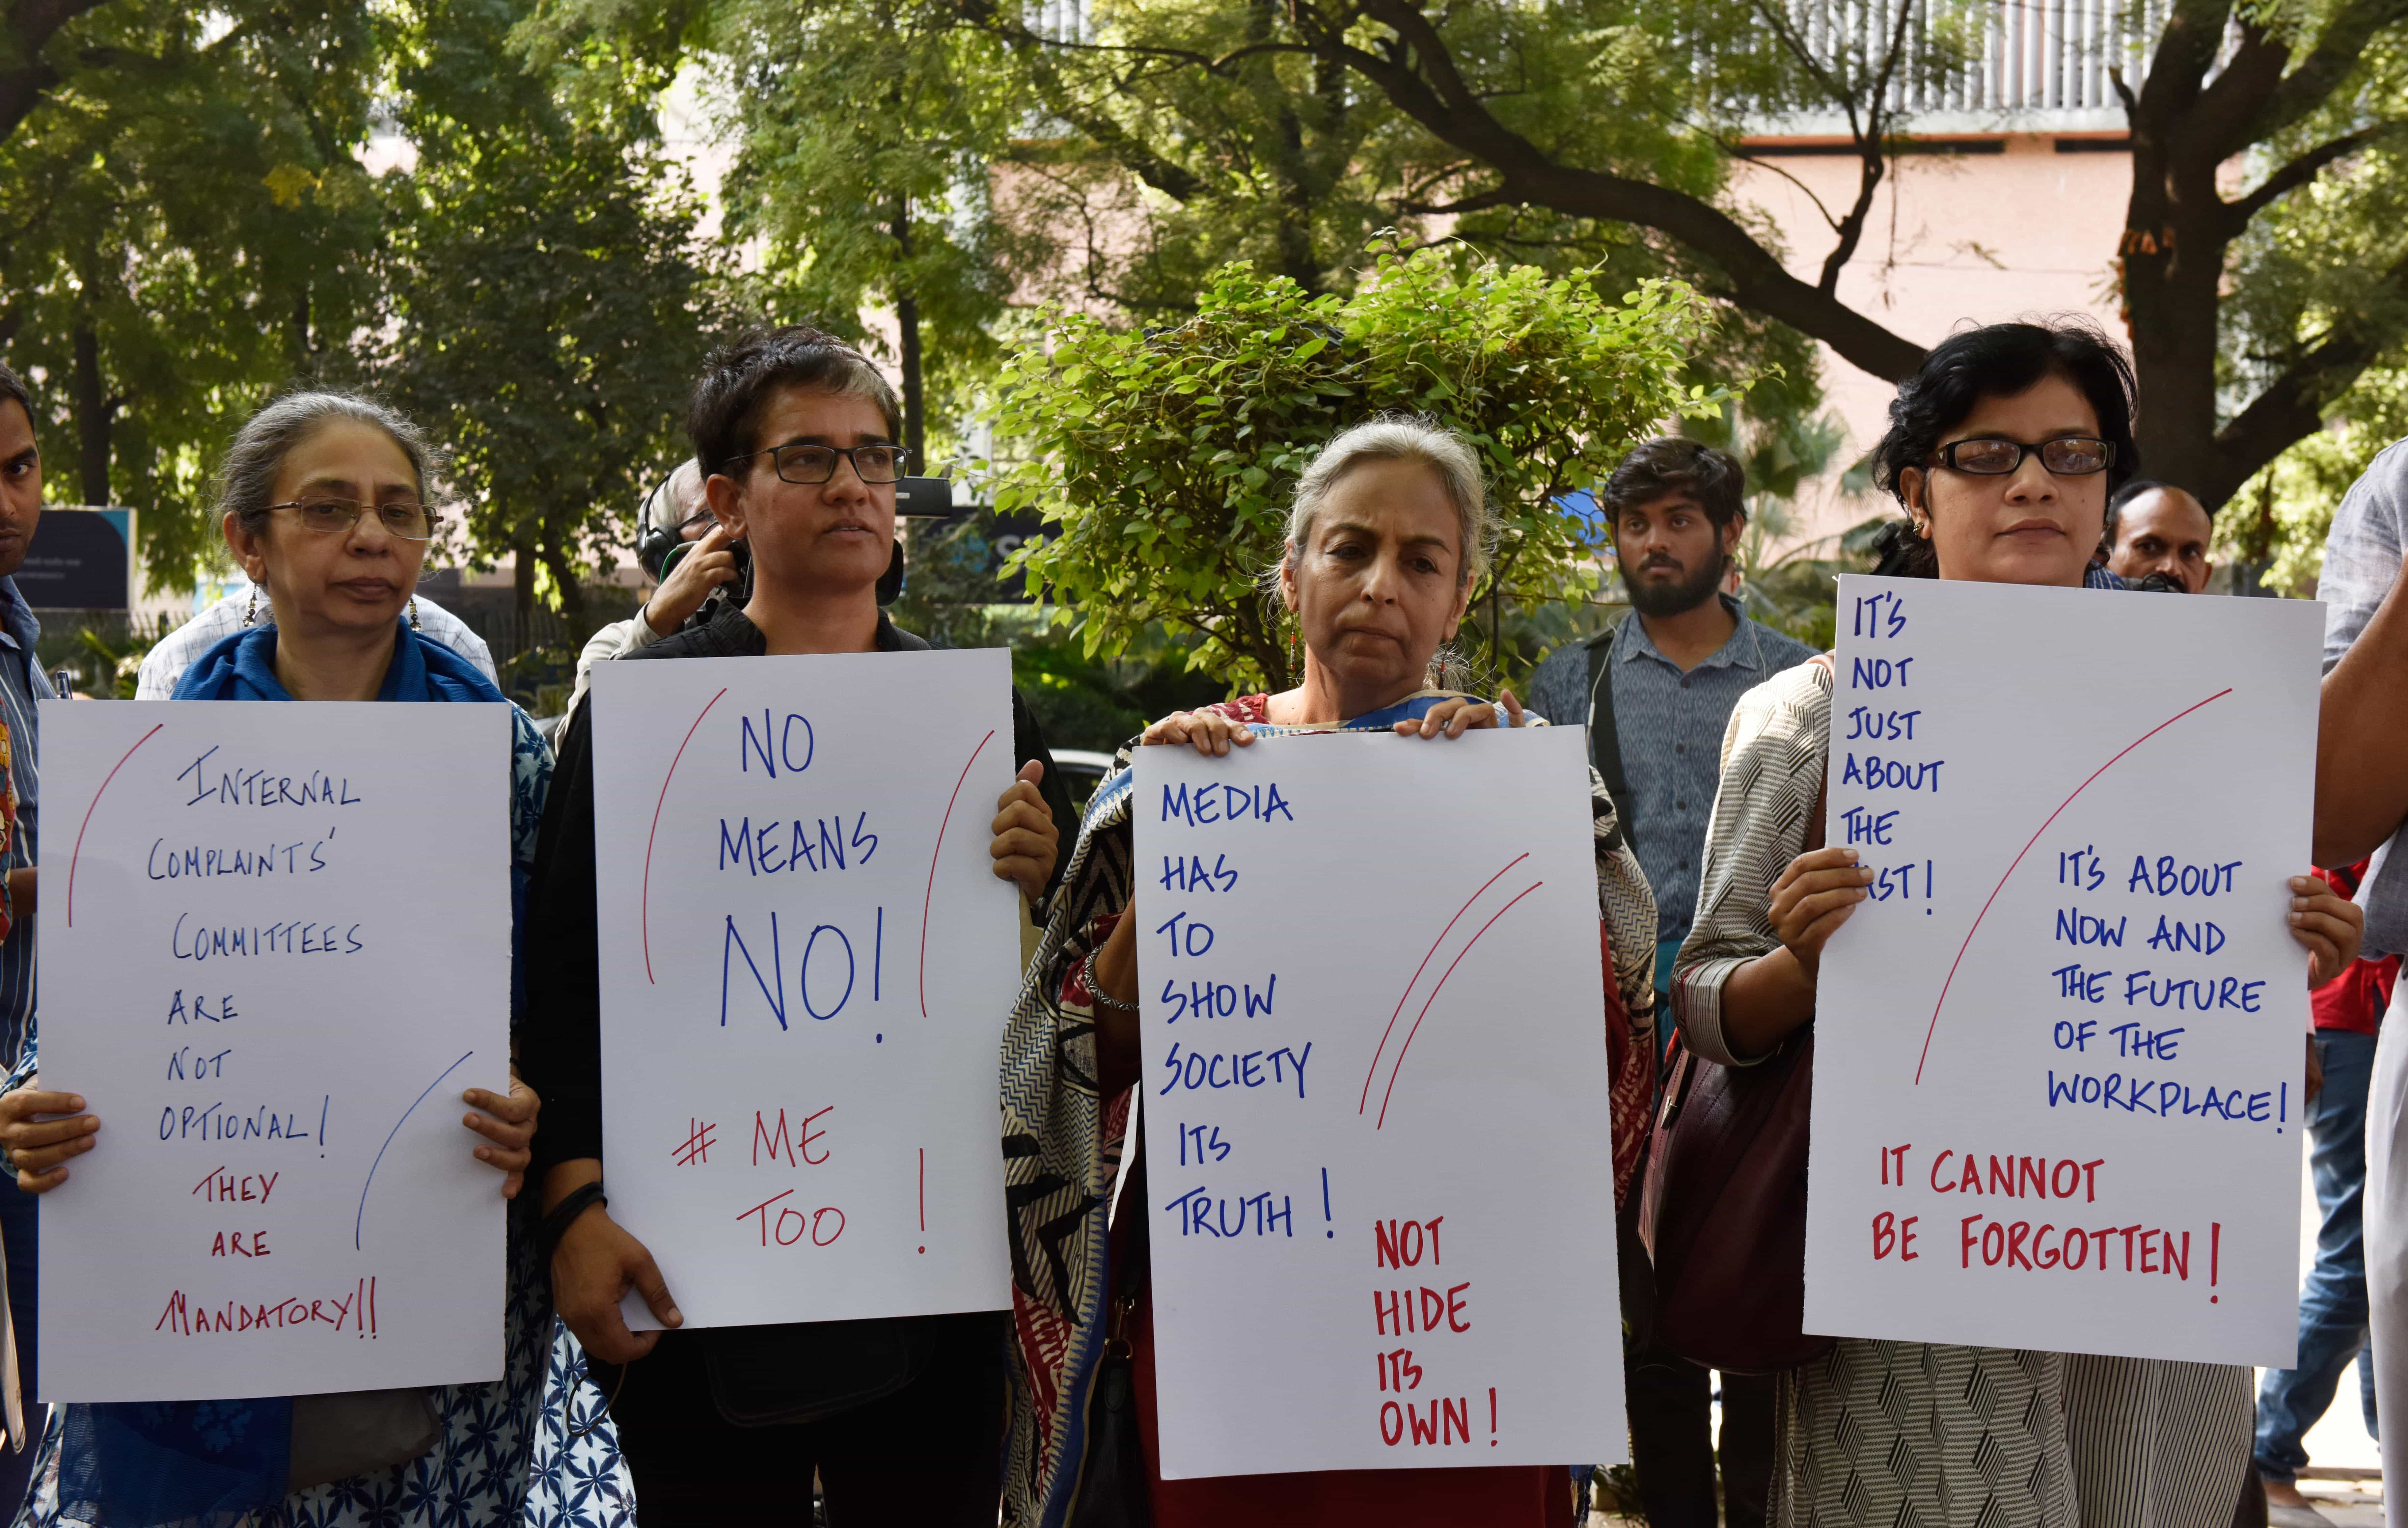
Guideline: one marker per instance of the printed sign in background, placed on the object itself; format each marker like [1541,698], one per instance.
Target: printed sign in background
[274,951]
[1378,1158]
[2057,1062]
[807,963]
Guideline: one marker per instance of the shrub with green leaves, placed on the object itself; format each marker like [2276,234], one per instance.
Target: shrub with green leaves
[1163,460]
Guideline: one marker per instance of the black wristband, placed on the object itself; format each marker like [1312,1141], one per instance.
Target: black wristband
[575,1203]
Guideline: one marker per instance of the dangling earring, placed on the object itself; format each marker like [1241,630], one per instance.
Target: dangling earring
[250,612]
[413,612]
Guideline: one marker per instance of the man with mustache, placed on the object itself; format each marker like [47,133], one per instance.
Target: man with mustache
[1656,692]
[2156,528]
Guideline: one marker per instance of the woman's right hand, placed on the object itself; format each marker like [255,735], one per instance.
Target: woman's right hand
[1209,733]
[593,1269]
[1811,897]
[40,1147]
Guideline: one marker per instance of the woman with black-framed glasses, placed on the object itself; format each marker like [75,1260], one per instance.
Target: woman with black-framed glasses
[2002,449]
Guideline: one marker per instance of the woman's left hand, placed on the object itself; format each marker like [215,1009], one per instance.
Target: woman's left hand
[1027,843]
[1454,718]
[509,1123]
[2328,924]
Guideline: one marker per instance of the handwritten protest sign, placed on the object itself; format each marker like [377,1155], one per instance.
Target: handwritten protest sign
[807,963]
[1378,1158]
[275,946]
[2058,1060]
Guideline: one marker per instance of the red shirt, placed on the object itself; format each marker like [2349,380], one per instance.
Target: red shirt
[2356,999]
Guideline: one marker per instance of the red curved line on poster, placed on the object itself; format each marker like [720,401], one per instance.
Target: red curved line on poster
[1432,998]
[1429,955]
[2136,742]
[644,916]
[74,858]
[929,899]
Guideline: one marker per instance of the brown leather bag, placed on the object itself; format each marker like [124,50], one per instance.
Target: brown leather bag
[1724,1210]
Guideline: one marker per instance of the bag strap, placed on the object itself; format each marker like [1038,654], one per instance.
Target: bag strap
[1604,740]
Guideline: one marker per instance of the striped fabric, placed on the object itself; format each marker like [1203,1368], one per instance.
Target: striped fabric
[1893,1433]
[21,683]
[2110,1404]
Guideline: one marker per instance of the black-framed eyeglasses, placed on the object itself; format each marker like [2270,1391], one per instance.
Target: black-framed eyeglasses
[2067,456]
[800,464]
[335,517]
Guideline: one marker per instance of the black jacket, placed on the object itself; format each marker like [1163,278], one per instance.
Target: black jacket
[560,1043]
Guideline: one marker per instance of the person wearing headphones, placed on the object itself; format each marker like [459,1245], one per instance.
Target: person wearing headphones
[683,548]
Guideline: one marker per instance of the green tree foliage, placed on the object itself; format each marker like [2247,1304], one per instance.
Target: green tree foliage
[864,132]
[1166,457]
[547,307]
[186,225]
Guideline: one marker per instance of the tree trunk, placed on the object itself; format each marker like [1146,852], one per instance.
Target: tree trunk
[522,579]
[907,325]
[564,578]
[91,414]
[296,334]
[2172,262]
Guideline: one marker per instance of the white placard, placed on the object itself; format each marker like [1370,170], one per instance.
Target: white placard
[1379,1164]
[2059,1055]
[807,965]
[275,945]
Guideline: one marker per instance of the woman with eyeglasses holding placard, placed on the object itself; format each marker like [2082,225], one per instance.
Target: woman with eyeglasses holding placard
[324,508]
[2002,449]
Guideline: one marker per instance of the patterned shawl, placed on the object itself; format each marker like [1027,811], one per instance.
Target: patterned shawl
[1062,1141]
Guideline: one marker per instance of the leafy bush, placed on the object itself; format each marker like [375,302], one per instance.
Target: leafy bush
[1166,457]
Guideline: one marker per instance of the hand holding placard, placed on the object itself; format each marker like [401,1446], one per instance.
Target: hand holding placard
[237,973]
[2057,1040]
[1348,1140]
[813,961]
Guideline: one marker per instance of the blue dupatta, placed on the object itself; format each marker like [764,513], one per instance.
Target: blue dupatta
[211,1463]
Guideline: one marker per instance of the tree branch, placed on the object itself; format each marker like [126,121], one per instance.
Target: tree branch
[1420,77]
[2299,171]
[2291,407]
[29,25]
[2336,51]
[1872,157]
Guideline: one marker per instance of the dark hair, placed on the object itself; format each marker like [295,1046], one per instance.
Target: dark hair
[247,478]
[2000,360]
[12,388]
[724,417]
[1669,464]
[2132,491]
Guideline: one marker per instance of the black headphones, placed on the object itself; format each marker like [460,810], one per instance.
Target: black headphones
[659,547]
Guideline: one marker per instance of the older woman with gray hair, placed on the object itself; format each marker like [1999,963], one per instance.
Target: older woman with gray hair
[1388,536]
[324,501]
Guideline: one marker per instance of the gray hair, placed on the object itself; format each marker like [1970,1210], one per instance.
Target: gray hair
[247,478]
[1400,437]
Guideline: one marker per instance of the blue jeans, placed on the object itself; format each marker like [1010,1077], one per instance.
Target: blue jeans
[2332,1305]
